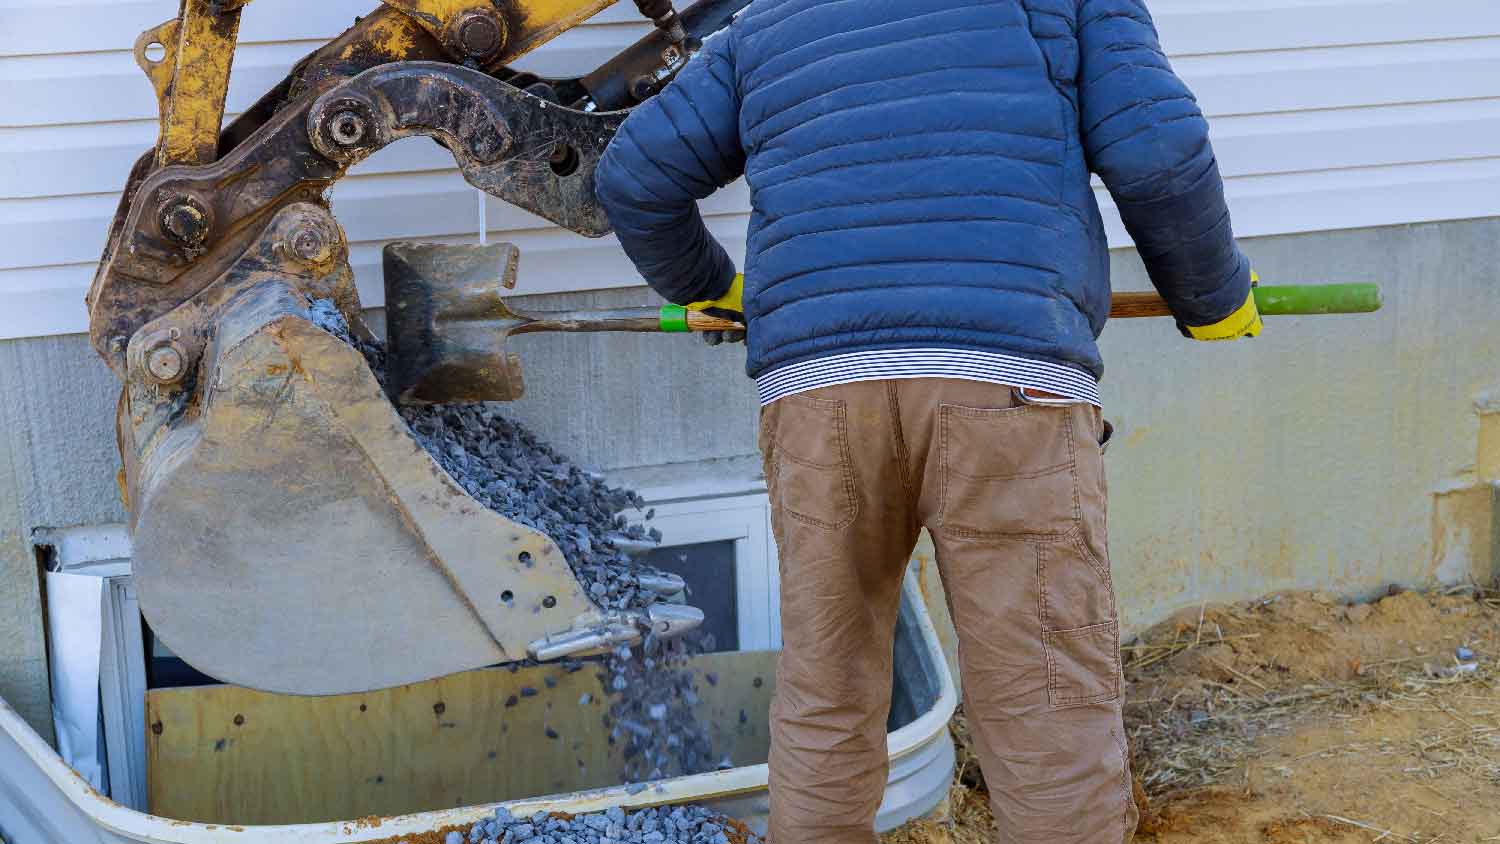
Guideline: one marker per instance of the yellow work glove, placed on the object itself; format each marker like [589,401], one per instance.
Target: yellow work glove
[729,306]
[1244,322]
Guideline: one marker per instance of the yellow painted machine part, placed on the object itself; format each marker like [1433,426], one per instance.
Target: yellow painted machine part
[192,78]
[391,33]
[546,19]
[194,108]
[542,20]
[159,70]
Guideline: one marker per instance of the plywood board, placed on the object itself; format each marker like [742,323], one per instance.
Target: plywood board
[225,754]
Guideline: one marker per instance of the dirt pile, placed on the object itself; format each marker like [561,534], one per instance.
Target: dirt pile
[1301,637]
[1207,684]
[1300,719]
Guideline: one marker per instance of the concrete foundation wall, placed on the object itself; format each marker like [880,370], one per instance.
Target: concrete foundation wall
[1306,458]
[57,467]
[1309,457]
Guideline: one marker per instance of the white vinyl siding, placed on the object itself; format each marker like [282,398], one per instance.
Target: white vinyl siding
[1326,114]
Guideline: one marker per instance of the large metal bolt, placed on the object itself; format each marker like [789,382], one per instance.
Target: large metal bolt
[308,235]
[642,87]
[480,35]
[185,221]
[310,244]
[164,363]
[346,128]
[162,356]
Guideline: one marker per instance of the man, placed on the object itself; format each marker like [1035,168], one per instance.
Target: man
[925,277]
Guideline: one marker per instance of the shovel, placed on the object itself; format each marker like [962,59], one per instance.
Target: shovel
[447,321]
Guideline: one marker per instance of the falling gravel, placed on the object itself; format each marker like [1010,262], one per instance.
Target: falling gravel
[652,690]
[651,712]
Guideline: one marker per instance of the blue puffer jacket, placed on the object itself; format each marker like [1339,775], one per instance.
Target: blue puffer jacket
[919,176]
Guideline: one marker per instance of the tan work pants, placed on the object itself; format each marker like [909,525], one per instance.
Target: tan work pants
[1013,494]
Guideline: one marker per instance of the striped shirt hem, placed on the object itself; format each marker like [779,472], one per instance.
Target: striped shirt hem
[964,364]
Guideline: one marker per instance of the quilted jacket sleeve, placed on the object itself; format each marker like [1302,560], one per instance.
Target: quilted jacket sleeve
[677,148]
[1146,138]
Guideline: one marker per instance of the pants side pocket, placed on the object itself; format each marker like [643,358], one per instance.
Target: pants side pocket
[1083,665]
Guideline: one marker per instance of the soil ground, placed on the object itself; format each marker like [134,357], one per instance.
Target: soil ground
[1300,719]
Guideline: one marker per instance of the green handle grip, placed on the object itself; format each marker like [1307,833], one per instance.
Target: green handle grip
[673,318]
[1303,300]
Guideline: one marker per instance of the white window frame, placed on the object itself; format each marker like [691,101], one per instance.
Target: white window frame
[746,520]
[122,692]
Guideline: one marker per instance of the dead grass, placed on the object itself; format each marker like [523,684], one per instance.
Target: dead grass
[1297,718]
[1203,702]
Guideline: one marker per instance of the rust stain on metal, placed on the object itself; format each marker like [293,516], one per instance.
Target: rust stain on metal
[436,836]
[389,34]
[922,577]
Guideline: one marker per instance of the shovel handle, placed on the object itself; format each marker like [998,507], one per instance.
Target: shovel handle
[1284,300]
[1273,300]
[669,318]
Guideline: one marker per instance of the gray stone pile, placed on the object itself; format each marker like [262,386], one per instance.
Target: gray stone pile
[513,472]
[668,825]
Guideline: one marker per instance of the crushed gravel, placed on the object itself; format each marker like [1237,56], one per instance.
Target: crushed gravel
[513,472]
[651,690]
[673,825]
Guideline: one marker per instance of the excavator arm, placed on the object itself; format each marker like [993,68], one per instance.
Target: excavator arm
[289,533]
[191,204]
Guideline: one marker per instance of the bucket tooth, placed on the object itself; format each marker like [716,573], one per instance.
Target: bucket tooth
[668,621]
[661,584]
[598,633]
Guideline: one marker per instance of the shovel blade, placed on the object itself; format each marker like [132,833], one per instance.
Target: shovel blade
[447,323]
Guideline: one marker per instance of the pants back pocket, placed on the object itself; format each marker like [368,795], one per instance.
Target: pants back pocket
[812,476]
[1008,472]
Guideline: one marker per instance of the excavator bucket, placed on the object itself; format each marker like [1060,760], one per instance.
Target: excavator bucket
[290,532]
[291,535]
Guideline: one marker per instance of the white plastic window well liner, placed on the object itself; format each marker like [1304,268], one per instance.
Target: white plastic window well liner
[81,561]
[42,800]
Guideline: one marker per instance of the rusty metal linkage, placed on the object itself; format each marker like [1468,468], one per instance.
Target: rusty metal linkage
[261,456]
